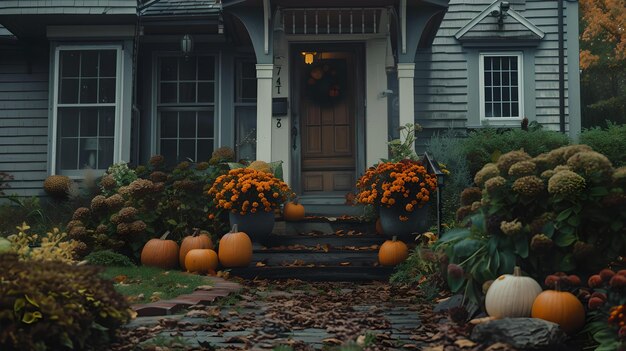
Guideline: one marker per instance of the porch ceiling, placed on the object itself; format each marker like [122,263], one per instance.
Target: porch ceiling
[335,3]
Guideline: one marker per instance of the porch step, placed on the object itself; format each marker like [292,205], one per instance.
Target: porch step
[319,249]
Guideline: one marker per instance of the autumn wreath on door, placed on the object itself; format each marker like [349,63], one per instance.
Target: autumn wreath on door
[325,82]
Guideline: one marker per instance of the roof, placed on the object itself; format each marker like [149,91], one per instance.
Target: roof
[163,8]
[485,26]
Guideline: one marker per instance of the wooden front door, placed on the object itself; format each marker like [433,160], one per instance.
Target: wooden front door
[328,123]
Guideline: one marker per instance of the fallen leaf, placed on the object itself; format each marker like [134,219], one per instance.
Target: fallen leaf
[333,341]
[463,343]
[120,278]
[204,287]
[260,264]
[344,263]
[434,348]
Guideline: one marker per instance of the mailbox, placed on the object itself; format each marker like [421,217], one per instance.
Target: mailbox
[280,106]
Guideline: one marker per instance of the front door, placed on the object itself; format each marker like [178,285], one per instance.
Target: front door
[327,121]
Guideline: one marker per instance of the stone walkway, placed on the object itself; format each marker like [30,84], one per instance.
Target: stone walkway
[266,315]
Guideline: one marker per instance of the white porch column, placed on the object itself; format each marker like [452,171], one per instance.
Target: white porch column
[264,111]
[406,74]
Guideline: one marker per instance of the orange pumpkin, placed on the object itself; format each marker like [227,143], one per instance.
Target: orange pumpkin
[235,249]
[201,261]
[560,307]
[160,253]
[193,241]
[392,252]
[293,211]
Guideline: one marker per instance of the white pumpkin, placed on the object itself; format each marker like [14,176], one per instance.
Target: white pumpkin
[5,245]
[511,295]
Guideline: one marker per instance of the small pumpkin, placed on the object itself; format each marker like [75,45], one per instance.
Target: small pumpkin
[293,211]
[511,295]
[560,307]
[392,252]
[160,253]
[235,249]
[201,261]
[197,240]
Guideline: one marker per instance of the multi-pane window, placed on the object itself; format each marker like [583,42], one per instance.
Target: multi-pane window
[186,107]
[501,85]
[245,108]
[85,109]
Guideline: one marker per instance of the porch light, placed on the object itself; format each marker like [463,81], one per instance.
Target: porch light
[309,57]
[186,44]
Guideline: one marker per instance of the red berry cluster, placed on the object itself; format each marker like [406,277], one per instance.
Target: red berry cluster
[560,280]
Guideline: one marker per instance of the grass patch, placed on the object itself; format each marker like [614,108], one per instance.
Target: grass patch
[142,283]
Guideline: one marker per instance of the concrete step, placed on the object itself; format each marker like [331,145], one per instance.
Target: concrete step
[327,273]
[360,258]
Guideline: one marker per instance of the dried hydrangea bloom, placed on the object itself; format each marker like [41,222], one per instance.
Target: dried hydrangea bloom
[510,158]
[158,176]
[74,223]
[108,182]
[98,203]
[141,187]
[494,184]
[537,224]
[223,153]
[138,226]
[102,229]
[529,186]
[202,166]
[582,250]
[127,214]
[156,160]
[115,218]
[511,228]
[463,212]
[184,184]
[542,162]
[562,154]
[81,213]
[115,202]
[123,228]
[548,174]
[522,168]
[541,243]
[487,172]
[183,165]
[77,232]
[470,195]
[590,162]
[566,183]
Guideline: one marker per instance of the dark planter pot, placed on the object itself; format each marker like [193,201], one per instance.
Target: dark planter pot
[393,226]
[257,225]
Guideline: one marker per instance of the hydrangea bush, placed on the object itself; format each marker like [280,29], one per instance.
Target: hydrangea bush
[558,211]
[136,205]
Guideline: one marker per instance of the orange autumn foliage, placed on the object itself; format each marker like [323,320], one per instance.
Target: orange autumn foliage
[604,23]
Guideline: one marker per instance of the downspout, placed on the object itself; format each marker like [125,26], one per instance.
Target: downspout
[561,68]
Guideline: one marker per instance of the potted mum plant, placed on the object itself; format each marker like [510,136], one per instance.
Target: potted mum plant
[250,196]
[400,187]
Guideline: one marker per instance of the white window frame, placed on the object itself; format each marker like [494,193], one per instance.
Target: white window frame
[119,77]
[520,86]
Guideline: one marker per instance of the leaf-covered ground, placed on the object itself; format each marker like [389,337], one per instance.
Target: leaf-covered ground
[294,315]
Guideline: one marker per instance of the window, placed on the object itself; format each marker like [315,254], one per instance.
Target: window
[86,106]
[245,108]
[186,107]
[501,88]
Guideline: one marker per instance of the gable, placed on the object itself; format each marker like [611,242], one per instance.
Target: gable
[491,25]
[180,8]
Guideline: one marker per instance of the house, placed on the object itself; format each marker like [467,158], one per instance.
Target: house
[320,85]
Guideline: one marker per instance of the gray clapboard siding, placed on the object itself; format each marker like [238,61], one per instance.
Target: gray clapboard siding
[441,76]
[23,120]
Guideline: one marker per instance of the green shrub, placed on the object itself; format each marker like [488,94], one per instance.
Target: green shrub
[610,141]
[108,258]
[448,149]
[56,306]
[561,211]
[484,145]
